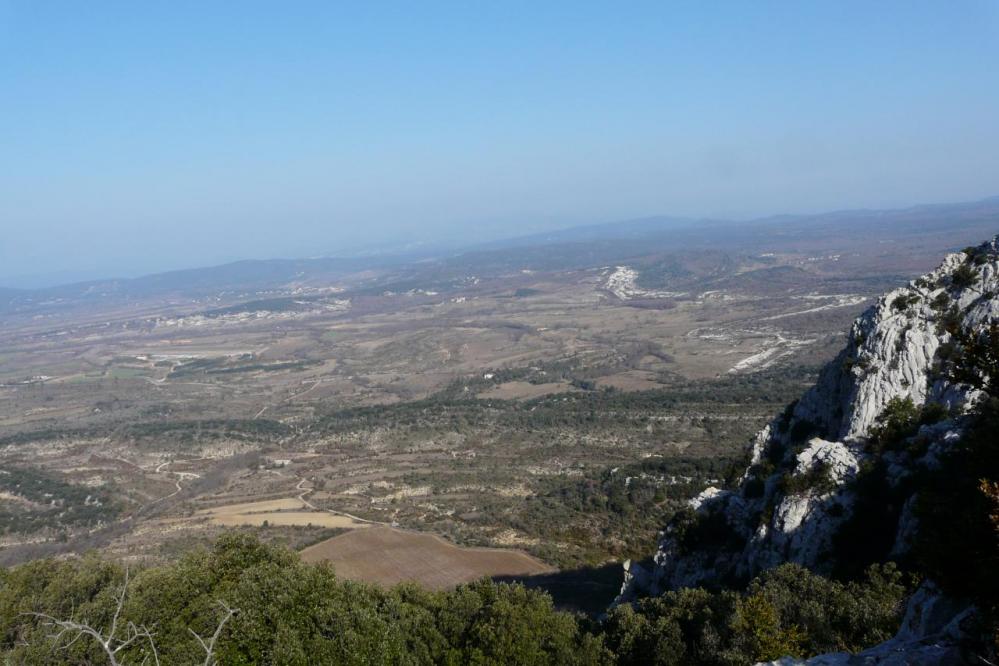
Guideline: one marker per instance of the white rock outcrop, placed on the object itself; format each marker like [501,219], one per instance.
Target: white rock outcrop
[798,490]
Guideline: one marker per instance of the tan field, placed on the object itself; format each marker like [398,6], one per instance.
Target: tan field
[286,511]
[524,390]
[283,504]
[387,556]
[313,518]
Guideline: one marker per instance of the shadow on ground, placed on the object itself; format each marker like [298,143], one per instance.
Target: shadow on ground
[587,590]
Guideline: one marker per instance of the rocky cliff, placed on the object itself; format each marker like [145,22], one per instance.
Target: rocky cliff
[886,403]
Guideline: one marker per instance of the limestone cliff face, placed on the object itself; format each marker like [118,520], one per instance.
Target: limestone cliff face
[798,490]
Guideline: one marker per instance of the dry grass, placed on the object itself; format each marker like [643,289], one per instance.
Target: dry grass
[283,504]
[633,380]
[524,390]
[286,511]
[301,518]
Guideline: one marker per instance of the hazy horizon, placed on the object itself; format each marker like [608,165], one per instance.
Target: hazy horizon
[142,138]
[52,279]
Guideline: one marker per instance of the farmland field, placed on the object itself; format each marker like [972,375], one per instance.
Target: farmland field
[387,556]
[290,511]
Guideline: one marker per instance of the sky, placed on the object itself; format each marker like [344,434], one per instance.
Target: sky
[142,136]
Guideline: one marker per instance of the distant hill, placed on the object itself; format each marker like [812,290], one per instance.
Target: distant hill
[248,276]
[915,219]
[566,249]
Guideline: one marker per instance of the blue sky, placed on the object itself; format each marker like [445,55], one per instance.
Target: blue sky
[141,136]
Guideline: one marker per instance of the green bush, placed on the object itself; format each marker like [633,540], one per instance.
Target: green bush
[900,420]
[294,613]
[761,634]
[832,615]
[941,301]
[964,276]
[786,611]
[901,303]
[816,479]
[976,361]
[289,613]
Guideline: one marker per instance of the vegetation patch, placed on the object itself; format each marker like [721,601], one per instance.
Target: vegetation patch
[53,502]
[786,611]
[288,612]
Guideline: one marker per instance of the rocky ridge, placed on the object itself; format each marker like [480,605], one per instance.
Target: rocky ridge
[800,487]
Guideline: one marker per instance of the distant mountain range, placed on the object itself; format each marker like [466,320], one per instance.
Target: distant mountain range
[567,248]
[928,217]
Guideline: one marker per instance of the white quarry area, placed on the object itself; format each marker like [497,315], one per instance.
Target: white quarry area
[820,446]
[411,292]
[836,301]
[715,295]
[773,350]
[621,283]
[773,345]
[301,290]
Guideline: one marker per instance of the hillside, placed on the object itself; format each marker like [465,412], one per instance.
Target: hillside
[890,456]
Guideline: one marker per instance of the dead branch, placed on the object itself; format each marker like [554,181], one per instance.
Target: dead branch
[111,643]
[209,647]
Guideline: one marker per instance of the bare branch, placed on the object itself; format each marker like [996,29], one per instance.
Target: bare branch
[152,646]
[111,644]
[117,610]
[70,644]
[81,629]
[209,647]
